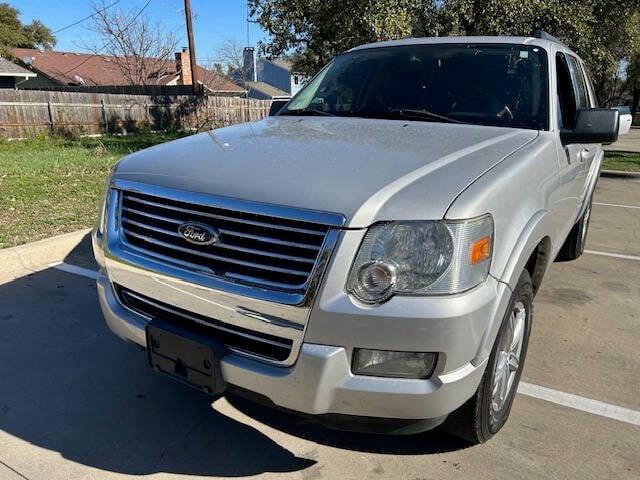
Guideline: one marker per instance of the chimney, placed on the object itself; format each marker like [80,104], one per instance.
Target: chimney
[183,67]
[248,65]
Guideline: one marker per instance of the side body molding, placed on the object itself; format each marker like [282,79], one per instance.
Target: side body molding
[594,175]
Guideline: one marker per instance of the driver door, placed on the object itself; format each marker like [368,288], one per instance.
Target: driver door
[588,151]
[572,158]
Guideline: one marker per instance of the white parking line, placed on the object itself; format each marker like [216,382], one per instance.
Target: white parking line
[83,272]
[616,205]
[580,403]
[570,400]
[613,255]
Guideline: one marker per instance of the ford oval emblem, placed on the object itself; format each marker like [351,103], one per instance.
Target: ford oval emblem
[198,233]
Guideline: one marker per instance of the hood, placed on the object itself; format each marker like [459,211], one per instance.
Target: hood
[368,170]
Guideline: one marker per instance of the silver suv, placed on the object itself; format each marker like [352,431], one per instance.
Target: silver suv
[367,255]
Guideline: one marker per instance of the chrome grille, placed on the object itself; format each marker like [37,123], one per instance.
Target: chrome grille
[241,340]
[275,252]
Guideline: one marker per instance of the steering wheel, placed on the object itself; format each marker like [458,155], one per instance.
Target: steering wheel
[476,106]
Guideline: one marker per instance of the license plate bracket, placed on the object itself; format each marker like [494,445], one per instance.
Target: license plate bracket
[186,355]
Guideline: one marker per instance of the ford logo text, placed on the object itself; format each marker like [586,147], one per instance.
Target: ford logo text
[198,233]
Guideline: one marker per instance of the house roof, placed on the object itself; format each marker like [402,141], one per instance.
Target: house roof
[212,81]
[266,89]
[10,69]
[282,63]
[88,69]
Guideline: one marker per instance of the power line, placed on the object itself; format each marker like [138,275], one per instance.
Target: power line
[87,17]
[110,42]
[175,30]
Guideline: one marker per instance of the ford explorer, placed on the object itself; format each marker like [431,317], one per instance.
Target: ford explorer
[368,254]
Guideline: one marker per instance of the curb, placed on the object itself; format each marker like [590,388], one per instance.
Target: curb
[36,256]
[620,149]
[619,174]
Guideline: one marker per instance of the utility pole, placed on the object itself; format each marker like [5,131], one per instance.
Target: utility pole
[247,20]
[192,49]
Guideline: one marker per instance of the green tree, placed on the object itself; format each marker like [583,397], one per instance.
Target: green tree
[13,33]
[314,31]
[603,32]
[633,82]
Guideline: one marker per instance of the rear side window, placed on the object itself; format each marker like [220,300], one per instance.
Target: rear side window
[579,82]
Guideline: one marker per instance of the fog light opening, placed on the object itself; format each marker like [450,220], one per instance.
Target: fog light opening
[392,364]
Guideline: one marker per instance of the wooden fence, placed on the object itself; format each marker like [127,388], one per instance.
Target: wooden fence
[25,113]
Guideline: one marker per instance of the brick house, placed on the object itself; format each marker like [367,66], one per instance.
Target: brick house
[55,68]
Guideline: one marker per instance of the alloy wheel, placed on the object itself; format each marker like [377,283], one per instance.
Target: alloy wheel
[507,360]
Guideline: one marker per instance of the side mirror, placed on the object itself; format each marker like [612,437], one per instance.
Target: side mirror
[276,106]
[593,125]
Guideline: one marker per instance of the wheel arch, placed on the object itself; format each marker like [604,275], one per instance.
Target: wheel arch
[538,262]
[533,251]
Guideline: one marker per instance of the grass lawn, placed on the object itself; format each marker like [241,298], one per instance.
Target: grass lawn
[628,162]
[51,185]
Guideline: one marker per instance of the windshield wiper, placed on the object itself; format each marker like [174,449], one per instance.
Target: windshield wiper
[306,111]
[409,112]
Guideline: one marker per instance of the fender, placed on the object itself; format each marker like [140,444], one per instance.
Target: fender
[536,230]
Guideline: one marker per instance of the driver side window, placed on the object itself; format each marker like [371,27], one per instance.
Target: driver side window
[566,93]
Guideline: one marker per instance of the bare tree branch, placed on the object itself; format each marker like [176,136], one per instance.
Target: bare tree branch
[230,56]
[141,50]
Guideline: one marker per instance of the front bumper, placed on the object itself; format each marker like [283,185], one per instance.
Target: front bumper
[320,382]
[316,378]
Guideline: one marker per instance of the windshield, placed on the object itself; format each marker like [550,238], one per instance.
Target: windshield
[483,84]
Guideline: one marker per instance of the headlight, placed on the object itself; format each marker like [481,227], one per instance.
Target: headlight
[421,258]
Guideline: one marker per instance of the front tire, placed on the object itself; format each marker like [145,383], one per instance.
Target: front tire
[484,414]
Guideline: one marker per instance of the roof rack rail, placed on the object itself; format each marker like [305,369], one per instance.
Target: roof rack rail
[542,35]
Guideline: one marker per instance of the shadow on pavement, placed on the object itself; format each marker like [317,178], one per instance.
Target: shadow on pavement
[69,385]
[431,442]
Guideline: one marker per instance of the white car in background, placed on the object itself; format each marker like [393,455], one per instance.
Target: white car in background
[625,120]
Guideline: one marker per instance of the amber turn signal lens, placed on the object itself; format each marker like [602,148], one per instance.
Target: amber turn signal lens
[480,250]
